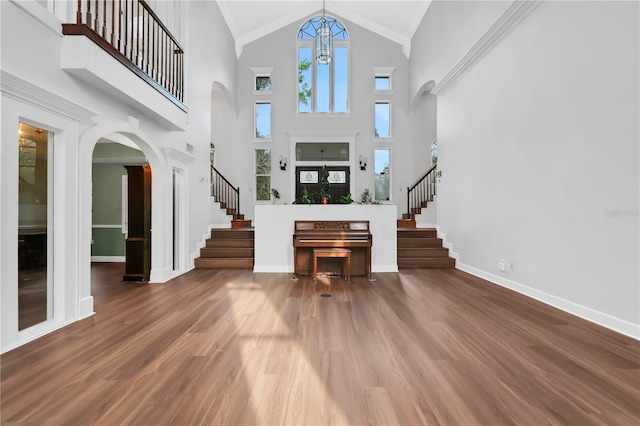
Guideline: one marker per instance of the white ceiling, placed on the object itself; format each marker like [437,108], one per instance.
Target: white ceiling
[396,20]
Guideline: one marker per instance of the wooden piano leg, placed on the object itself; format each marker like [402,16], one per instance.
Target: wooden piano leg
[369,266]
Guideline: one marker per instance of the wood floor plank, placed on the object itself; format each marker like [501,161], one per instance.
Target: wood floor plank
[230,347]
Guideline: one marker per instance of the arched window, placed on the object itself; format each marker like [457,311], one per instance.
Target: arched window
[323,88]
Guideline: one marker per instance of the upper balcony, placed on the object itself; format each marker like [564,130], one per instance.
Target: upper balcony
[130,32]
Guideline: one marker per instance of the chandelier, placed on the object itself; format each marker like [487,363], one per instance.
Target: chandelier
[324,41]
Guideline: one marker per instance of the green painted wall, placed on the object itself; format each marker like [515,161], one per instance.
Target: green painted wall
[107,197]
[108,242]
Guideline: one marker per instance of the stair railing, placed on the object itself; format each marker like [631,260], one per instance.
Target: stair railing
[421,192]
[133,34]
[225,193]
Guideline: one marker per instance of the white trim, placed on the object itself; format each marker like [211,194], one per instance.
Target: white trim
[118,259]
[509,20]
[605,320]
[29,93]
[176,154]
[35,332]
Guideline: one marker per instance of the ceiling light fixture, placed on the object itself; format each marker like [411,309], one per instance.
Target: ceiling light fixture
[324,41]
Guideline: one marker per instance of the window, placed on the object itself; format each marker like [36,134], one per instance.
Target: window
[382,174]
[263,120]
[263,83]
[383,82]
[323,88]
[383,120]
[263,174]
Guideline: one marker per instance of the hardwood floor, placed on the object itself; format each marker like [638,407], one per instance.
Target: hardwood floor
[233,347]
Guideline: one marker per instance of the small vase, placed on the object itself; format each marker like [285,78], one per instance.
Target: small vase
[325,200]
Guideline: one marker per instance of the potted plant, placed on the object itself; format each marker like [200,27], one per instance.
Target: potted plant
[346,199]
[307,197]
[324,191]
[275,195]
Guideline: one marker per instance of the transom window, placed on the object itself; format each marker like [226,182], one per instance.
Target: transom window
[323,88]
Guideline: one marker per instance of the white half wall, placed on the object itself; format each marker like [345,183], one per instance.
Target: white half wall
[274,228]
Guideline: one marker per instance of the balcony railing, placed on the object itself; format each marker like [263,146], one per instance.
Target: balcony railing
[132,33]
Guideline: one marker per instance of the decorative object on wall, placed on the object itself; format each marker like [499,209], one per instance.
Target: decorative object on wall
[324,41]
[363,163]
[283,163]
[308,176]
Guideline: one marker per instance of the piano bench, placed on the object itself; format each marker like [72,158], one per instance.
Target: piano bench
[332,252]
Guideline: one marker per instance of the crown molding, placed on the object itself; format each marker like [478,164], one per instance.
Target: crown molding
[17,88]
[510,19]
[176,154]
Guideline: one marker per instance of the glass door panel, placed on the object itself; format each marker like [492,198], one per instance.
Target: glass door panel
[34,242]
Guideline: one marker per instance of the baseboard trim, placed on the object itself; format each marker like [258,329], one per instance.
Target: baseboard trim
[117,259]
[600,318]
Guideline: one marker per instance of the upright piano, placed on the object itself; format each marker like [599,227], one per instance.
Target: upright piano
[352,234]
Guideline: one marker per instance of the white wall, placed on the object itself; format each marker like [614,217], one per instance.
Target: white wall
[446,33]
[211,59]
[538,149]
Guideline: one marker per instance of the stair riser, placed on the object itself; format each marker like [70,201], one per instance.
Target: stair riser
[230,233]
[417,233]
[406,243]
[229,243]
[441,262]
[226,253]
[422,253]
[224,263]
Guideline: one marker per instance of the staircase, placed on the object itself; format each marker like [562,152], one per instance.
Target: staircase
[228,248]
[421,248]
[229,198]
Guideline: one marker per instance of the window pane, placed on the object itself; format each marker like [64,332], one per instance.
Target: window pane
[263,120]
[324,87]
[263,188]
[305,85]
[382,120]
[383,83]
[340,79]
[263,161]
[263,83]
[263,174]
[322,151]
[382,174]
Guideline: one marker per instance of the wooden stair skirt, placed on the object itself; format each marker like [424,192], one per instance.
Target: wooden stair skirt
[228,248]
[421,248]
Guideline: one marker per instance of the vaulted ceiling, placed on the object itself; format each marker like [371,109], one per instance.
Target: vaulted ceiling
[397,20]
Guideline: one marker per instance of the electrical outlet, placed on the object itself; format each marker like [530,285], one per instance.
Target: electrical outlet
[502,265]
[511,265]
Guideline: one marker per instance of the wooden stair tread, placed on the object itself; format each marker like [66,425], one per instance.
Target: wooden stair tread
[224,263]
